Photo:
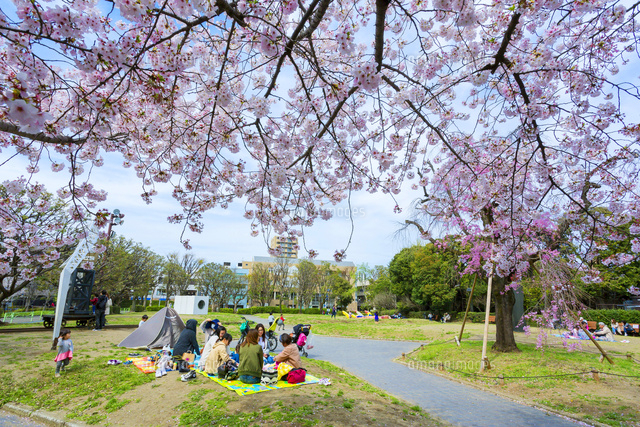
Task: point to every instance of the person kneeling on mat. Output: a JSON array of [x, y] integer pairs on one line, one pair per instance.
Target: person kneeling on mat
[[251, 359], [219, 355]]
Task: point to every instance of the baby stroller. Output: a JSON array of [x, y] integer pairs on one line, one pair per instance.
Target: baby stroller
[[300, 336]]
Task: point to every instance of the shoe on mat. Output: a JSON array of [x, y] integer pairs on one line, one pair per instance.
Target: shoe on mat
[[191, 375]]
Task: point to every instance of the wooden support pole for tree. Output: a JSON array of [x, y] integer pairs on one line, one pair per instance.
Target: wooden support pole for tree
[[485, 362], [604, 353], [466, 313]]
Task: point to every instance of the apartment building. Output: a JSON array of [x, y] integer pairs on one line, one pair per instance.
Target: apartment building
[[288, 246], [346, 267]]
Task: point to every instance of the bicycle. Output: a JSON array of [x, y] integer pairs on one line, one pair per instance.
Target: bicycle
[[272, 340], [244, 329]]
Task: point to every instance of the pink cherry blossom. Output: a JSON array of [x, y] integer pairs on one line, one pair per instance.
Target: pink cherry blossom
[[517, 119]]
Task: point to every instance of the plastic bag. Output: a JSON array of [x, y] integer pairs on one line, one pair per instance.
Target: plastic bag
[[309, 342]]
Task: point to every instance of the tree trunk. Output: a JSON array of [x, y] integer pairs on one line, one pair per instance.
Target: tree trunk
[[504, 301]]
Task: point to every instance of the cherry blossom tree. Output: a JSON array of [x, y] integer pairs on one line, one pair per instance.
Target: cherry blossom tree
[[509, 113], [36, 229]]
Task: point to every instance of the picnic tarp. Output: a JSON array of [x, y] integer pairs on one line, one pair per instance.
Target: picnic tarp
[[145, 365], [162, 329], [244, 389]]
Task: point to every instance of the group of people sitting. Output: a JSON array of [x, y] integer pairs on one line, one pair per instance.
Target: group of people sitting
[[625, 329], [603, 333], [252, 352], [444, 319]]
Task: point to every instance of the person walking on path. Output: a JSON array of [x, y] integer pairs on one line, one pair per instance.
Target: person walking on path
[[271, 319], [65, 351], [101, 306], [281, 322]]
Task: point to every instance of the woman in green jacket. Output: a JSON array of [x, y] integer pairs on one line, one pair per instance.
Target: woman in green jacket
[[251, 359]]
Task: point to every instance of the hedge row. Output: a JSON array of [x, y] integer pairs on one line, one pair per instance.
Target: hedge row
[[625, 316], [628, 316], [476, 317], [276, 310], [419, 314]]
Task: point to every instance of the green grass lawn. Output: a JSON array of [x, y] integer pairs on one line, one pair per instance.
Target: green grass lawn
[[611, 401], [95, 393], [544, 377]]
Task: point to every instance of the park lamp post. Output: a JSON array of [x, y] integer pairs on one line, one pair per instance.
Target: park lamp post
[[115, 219]]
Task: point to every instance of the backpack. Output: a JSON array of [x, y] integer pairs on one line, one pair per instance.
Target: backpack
[[183, 366], [231, 376], [269, 377], [102, 302], [296, 376], [227, 371]]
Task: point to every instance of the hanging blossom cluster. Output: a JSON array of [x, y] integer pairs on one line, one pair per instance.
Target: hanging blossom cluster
[[367, 77], [559, 305], [514, 117]]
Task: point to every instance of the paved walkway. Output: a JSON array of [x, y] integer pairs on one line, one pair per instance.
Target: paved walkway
[[22, 319], [450, 401], [7, 419]]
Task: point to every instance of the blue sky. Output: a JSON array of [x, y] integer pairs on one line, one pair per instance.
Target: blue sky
[[226, 236]]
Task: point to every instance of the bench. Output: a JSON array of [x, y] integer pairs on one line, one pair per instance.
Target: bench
[[492, 319], [636, 328]]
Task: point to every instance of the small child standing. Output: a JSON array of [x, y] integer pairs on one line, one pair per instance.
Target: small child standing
[[65, 350]]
